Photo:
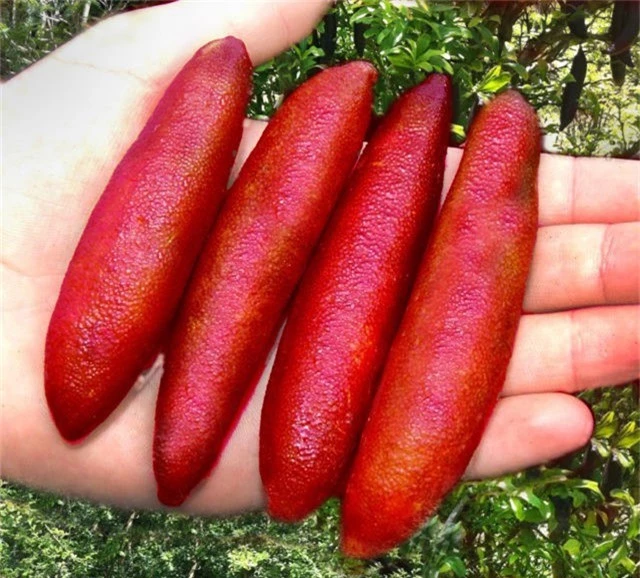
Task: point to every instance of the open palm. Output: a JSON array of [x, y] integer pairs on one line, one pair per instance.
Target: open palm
[[68, 121]]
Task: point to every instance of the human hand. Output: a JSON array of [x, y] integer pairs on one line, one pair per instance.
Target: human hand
[[68, 121]]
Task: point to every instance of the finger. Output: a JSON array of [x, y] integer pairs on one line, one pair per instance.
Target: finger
[[528, 430], [588, 190], [582, 265], [114, 464], [575, 350], [571, 190], [573, 265], [154, 42], [579, 190]]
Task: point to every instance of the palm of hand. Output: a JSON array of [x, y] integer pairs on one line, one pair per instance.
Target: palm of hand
[[87, 104]]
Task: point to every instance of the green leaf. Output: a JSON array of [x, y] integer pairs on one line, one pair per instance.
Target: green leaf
[[518, 69], [458, 130], [422, 46], [474, 22], [572, 547], [623, 496], [630, 439], [620, 553], [601, 448], [590, 485], [607, 425], [601, 549], [606, 431], [454, 564], [439, 7], [517, 508], [623, 458], [425, 66], [440, 63], [494, 80], [400, 61], [431, 52], [590, 525], [486, 35], [360, 15], [578, 498], [628, 564], [542, 507], [496, 84], [634, 524], [628, 428]]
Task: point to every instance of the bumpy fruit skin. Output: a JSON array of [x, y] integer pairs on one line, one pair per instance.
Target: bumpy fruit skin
[[246, 275], [134, 258], [350, 302], [448, 361]]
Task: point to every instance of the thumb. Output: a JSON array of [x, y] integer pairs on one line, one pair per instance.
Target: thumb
[[156, 41], [70, 117]]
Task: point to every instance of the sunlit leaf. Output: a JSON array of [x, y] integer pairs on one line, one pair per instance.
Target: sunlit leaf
[[572, 546]]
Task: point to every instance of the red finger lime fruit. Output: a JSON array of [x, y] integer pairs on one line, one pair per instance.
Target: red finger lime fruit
[[448, 361], [136, 253], [254, 258], [349, 304]]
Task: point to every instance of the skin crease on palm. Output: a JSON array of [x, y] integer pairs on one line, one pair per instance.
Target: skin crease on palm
[[70, 118]]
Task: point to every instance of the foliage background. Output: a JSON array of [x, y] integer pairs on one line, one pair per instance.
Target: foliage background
[[578, 516]]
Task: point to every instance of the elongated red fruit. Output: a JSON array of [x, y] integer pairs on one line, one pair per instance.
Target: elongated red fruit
[[350, 302], [448, 361], [252, 262], [134, 258]]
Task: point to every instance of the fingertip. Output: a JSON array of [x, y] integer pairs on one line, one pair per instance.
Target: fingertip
[[529, 430], [562, 420]]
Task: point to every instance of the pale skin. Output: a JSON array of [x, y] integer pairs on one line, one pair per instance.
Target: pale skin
[[70, 118]]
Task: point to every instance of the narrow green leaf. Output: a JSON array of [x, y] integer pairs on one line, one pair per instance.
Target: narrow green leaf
[[623, 496], [458, 130], [607, 425], [600, 550], [496, 84], [590, 485], [629, 565], [620, 553], [629, 440], [474, 22], [517, 508], [634, 524], [601, 448]]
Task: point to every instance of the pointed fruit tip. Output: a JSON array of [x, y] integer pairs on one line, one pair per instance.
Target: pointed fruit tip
[[170, 498]]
